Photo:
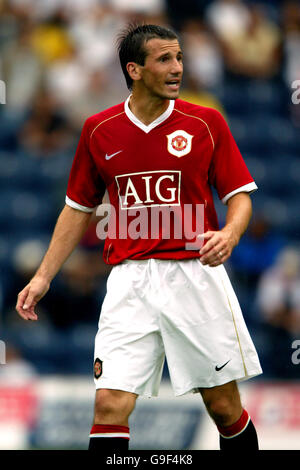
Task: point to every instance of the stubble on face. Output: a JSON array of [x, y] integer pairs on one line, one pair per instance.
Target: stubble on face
[[162, 71]]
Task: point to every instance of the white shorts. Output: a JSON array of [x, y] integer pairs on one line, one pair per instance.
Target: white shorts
[[179, 309]]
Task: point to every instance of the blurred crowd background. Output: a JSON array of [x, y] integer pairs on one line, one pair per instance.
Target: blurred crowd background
[[59, 64]]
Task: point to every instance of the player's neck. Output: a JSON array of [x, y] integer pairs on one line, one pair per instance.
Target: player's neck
[[147, 109]]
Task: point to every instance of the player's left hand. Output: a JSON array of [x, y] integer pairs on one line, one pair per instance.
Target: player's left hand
[[218, 247]]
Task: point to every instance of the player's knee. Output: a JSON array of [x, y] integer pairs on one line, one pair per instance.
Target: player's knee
[[223, 403], [113, 406], [222, 410]]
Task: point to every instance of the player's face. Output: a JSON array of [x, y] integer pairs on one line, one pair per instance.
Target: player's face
[[161, 74]]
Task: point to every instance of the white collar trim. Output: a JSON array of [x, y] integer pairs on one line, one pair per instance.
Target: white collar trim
[[154, 123]]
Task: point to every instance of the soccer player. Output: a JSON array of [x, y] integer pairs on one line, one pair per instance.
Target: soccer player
[[155, 153]]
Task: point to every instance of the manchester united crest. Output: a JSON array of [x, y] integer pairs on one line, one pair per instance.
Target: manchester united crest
[[179, 143], [97, 368]]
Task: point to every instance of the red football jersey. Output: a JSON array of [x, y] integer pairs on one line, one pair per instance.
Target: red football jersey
[[156, 176]]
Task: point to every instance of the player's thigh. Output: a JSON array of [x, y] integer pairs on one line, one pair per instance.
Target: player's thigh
[[129, 351], [206, 340]]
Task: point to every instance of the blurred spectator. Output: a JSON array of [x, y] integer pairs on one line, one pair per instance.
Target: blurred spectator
[[291, 29], [78, 291], [18, 399], [254, 52], [9, 24], [38, 11], [278, 301], [203, 59], [94, 35], [50, 39], [291, 48], [256, 252], [228, 18], [193, 92], [278, 293], [22, 70], [27, 257], [46, 129], [146, 7], [74, 9], [179, 11], [25, 261], [65, 79], [99, 93], [16, 369], [76, 294]]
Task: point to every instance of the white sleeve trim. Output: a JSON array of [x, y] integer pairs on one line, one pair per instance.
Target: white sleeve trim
[[77, 206], [247, 188]]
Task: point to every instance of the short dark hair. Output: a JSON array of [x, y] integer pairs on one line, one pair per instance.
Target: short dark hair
[[131, 44]]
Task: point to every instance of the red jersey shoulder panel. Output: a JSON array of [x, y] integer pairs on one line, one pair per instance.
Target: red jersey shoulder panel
[[211, 118]]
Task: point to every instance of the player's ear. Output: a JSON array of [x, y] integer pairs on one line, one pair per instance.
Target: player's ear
[[134, 70]]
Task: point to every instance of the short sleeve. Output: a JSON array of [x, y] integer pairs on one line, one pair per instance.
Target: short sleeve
[[85, 186], [228, 172]]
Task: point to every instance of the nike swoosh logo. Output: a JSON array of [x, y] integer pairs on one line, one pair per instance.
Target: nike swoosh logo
[[108, 157], [219, 368]]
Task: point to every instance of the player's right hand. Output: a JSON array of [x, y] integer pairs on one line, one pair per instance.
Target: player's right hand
[[29, 297]]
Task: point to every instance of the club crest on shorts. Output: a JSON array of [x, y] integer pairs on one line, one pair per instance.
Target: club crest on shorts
[[97, 368], [179, 143]]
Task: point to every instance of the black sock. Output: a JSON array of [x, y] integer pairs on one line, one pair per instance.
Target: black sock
[[240, 435], [108, 444], [109, 438], [247, 439]]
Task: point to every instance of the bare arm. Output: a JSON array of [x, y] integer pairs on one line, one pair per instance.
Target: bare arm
[[69, 229], [220, 244]]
